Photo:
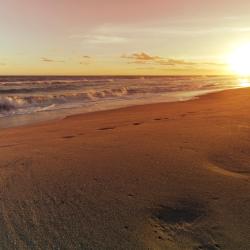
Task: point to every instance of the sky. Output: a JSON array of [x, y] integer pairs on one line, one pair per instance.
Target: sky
[[118, 37]]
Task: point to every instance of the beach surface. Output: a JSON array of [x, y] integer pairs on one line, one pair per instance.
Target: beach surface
[[158, 176]]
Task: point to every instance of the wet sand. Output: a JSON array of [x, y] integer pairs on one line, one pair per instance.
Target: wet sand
[[160, 176]]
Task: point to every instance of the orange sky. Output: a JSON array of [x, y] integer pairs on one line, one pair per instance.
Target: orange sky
[[88, 37]]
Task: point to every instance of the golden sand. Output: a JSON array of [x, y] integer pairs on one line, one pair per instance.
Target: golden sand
[[161, 176]]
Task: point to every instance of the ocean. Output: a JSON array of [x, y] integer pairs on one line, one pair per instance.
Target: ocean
[[27, 99]]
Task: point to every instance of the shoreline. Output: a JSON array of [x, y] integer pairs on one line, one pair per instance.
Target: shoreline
[[59, 114]]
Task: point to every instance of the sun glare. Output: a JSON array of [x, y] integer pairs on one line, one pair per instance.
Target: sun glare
[[244, 83], [239, 60]]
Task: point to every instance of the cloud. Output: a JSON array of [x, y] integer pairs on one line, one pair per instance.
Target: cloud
[[101, 38], [145, 58], [141, 57], [2, 64], [46, 59], [162, 30], [85, 60], [174, 62], [49, 60]]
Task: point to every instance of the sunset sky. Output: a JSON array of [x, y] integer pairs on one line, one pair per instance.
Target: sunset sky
[[88, 37]]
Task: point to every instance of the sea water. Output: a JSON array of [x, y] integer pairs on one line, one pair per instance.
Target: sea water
[[27, 99]]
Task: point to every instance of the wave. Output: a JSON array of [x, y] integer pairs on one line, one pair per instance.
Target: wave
[[21, 95], [6, 106], [10, 104], [20, 102], [24, 90]]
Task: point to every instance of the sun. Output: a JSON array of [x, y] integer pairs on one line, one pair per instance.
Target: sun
[[239, 60]]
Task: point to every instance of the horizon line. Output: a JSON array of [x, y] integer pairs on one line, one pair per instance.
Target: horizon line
[[155, 75]]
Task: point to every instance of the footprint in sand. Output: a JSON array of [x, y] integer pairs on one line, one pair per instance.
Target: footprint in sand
[[137, 123], [68, 137], [160, 119], [106, 128], [131, 195]]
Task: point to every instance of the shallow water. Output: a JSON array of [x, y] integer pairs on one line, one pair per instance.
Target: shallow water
[[28, 99]]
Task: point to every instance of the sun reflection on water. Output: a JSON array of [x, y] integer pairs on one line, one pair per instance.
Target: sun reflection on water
[[244, 83]]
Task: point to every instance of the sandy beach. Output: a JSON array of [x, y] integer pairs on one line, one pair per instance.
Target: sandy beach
[[158, 176]]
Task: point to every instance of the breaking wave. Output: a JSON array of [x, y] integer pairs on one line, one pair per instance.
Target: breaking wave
[[21, 95]]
